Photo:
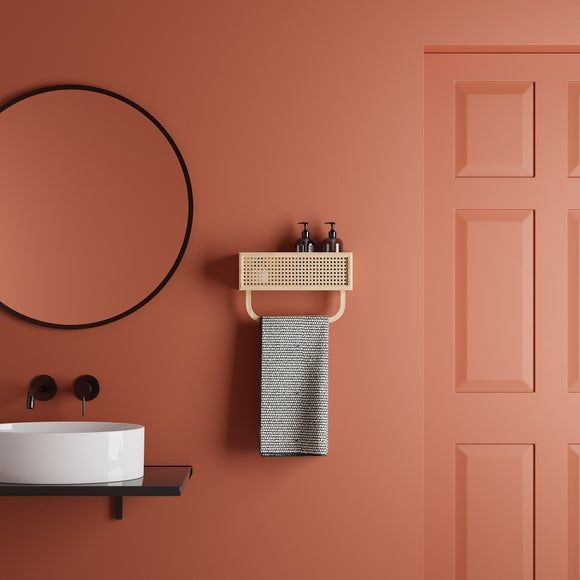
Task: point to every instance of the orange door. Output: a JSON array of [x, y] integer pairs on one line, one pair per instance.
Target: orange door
[[502, 399]]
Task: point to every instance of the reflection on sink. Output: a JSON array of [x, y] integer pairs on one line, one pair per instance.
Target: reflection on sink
[[61, 452]]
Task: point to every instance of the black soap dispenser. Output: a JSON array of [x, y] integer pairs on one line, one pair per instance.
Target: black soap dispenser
[[332, 243], [305, 243]]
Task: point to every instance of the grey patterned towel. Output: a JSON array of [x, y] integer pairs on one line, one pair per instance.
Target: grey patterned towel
[[294, 400]]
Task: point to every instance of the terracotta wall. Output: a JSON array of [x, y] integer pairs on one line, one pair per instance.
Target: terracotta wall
[[284, 110]]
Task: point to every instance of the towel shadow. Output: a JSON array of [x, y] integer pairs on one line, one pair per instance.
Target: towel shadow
[[242, 428], [244, 411]]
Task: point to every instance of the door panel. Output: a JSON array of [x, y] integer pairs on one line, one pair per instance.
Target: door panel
[[485, 110], [573, 129], [502, 316], [494, 512], [574, 512], [494, 301], [573, 301]]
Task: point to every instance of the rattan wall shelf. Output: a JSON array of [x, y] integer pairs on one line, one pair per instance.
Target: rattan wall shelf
[[260, 271]]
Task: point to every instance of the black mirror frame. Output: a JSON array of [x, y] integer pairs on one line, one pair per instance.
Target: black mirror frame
[[189, 190]]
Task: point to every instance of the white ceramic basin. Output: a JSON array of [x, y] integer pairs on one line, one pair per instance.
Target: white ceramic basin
[[62, 452]]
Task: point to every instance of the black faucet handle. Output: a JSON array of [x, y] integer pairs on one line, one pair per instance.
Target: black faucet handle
[[41, 388], [86, 388]]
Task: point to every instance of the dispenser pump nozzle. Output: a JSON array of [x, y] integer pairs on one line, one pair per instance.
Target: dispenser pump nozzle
[[332, 243], [305, 243], [332, 232]]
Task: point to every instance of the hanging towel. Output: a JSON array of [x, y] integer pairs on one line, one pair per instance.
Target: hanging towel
[[294, 380]]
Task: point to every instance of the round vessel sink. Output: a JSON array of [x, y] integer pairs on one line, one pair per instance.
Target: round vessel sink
[[70, 452]]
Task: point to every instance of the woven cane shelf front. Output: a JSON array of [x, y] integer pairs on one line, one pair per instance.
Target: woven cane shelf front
[[295, 271]]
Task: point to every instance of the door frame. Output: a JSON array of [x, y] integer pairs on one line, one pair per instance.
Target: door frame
[[463, 49]]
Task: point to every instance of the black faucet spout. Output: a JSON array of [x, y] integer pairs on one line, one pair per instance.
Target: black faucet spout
[[30, 400]]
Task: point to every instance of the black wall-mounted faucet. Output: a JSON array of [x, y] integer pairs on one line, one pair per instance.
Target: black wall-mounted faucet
[[41, 388], [86, 388]]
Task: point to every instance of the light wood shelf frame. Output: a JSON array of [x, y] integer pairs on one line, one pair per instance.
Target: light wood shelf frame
[[276, 271]]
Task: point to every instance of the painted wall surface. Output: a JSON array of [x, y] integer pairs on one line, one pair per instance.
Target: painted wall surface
[[284, 111]]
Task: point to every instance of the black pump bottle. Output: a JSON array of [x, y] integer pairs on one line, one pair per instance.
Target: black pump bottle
[[305, 243], [332, 243]]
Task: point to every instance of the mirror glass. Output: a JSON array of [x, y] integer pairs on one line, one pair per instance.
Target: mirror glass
[[95, 206]]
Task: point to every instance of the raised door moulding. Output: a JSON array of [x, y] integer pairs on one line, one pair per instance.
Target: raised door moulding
[[494, 511], [494, 129], [494, 301]]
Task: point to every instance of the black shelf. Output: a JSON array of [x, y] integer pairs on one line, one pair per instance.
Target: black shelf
[[157, 480]]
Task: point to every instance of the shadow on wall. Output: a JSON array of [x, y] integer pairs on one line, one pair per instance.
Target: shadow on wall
[[243, 424], [224, 271], [288, 242], [12, 392], [244, 406]]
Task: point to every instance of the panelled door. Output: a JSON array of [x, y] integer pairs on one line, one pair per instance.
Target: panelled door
[[502, 311]]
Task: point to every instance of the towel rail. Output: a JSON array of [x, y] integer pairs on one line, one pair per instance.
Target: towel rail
[[341, 307], [296, 271]]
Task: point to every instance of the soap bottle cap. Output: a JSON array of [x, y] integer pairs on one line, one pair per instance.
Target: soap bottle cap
[[305, 231], [332, 232]]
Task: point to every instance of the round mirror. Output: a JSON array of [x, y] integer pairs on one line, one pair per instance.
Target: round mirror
[[95, 206]]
